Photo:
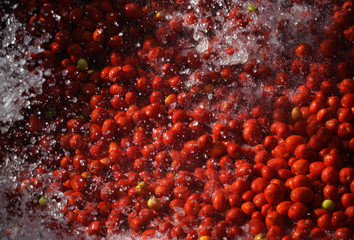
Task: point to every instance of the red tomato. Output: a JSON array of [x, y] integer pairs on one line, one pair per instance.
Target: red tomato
[[274, 193], [301, 194], [297, 211]]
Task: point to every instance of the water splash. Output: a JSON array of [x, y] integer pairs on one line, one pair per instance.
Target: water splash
[[18, 84]]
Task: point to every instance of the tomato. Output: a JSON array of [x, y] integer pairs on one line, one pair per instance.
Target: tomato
[[258, 185], [346, 130], [317, 233], [207, 211], [248, 208], [277, 163], [78, 183], [293, 141], [297, 211], [339, 219], [301, 181], [328, 47], [343, 233], [77, 199], [283, 207], [274, 193], [330, 192], [299, 234], [305, 224], [235, 216], [300, 166], [132, 10], [316, 168], [245, 170], [256, 227], [235, 200], [252, 134], [191, 208], [333, 160], [347, 86], [96, 228], [347, 199], [324, 222], [301, 194], [274, 218], [346, 175], [268, 172], [329, 175], [347, 100], [219, 201]]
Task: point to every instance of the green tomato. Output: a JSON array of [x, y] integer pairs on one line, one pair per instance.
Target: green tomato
[[42, 201], [82, 64], [260, 236], [154, 203], [329, 205], [141, 189], [252, 8]]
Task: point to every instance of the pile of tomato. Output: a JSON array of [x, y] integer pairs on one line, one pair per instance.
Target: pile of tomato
[[137, 136]]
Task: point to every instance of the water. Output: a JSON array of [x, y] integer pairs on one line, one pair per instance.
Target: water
[[18, 84]]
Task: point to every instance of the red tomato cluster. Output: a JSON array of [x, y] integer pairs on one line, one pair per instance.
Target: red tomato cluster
[[138, 136]]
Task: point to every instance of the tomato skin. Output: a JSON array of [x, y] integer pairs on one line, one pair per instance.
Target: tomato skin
[[347, 199], [316, 169], [235, 216], [305, 224], [346, 175], [277, 163], [347, 100], [346, 130], [78, 183], [96, 228], [275, 232], [324, 222], [191, 208], [293, 141], [317, 233], [252, 134], [274, 218], [297, 211], [258, 185], [349, 211], [347, 86], [343, 233], [301, 194], [301, 181], [330, 192], [259, 200], [283, 207], [300, 166], [274, 193], [339, 219], [304, 151], [219, 201], [344, 115], [256, 227], [329, 175], [248, 208], [333, 160]]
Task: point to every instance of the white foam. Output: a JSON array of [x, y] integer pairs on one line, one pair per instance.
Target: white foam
[[16, 80]]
